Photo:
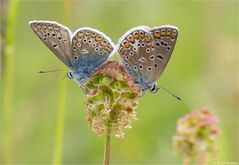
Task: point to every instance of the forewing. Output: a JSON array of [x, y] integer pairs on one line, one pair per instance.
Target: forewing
[[165, 38], [56, 37], [90, 49], [136, 50]]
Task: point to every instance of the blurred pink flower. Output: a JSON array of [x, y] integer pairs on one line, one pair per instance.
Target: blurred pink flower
[[196, 135]]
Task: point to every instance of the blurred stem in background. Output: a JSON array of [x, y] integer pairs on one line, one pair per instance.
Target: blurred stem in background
[[8, 82], [62, 100]]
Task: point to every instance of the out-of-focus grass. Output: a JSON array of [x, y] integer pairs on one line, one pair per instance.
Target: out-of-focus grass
[[202, 71], [60, 124], [8, 84], [62, 101]]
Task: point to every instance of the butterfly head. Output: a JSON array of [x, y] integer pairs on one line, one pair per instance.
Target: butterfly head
[[154, 88], [77, 76], [147, 86]]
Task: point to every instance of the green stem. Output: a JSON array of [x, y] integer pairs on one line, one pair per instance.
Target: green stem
[[60, 124], [57, 157], [107, 149], [8, 82]]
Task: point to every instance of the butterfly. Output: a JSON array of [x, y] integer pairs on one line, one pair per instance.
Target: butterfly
[[83, 51], [145, 52]]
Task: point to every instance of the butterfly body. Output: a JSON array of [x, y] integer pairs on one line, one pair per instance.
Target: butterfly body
[[145, 53], [83, 51]]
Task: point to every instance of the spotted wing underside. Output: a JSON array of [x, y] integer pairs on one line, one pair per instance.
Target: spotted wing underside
[[146, 52], [90, 49], [56, 37]]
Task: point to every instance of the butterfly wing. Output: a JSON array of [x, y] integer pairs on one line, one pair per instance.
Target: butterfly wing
[[136, 48], [90, 49], [56, 37], [165, 38]]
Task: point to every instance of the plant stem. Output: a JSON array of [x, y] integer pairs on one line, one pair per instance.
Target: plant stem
[[60, 124], [57, 157], [8, 83], [107, 149]]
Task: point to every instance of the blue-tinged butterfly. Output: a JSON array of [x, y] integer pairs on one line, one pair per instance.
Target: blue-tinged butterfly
[[145, 53], [83, 51]]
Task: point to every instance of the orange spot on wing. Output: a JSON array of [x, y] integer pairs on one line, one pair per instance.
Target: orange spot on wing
[[169, 32], [125, 44], [103, 43], [147, 39], [121, 51], [152, 45], [163, 32], [98, 38], [136, 35], [141, 34], [108, 48], [157, 34], [132, 40]]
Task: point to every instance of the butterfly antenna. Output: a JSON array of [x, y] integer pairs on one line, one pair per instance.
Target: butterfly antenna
[[171, 93], [48, 71]]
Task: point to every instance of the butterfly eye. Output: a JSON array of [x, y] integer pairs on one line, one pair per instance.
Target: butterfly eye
[[154, 88], [69, 75]]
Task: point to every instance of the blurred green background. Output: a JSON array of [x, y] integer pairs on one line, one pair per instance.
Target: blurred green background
[[203, 71]]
